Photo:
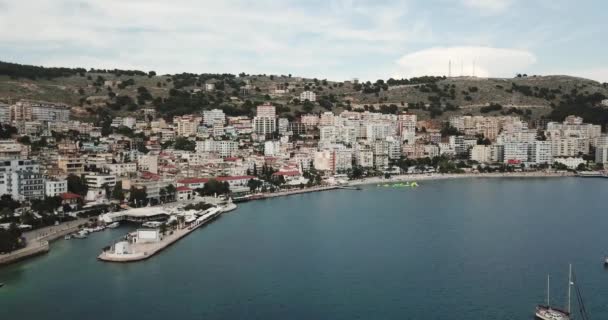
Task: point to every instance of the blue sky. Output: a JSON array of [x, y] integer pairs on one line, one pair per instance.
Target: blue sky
[[335, 39]]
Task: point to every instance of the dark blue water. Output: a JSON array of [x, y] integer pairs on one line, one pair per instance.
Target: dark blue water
[[462, 249]]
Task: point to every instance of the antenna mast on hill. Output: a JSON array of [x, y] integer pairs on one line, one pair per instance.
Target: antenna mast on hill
[[461, 68], [450, 69], [473, 67]]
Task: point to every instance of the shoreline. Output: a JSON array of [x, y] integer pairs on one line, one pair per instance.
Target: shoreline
[[38, 241], [449, 176]]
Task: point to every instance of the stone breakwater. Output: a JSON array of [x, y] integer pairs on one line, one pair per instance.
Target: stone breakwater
[[38, 242]]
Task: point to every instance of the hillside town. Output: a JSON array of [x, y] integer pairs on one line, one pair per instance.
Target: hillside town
[[51, 163]]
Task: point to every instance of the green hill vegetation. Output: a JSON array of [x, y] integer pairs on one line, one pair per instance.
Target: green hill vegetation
[[98, 94]]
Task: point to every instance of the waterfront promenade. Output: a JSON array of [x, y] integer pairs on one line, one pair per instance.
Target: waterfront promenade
[[37, 241], [440, 176]]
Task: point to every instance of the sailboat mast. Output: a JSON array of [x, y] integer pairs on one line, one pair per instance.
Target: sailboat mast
[[569, 285], [548, 280]]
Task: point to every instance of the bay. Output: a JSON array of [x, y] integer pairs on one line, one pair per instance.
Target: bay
[[458, 249]]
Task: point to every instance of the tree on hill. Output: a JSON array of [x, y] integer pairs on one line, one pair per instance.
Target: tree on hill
[[138, 196], [182, 143], [117, 192], [77, 185], [214, 186], [7, 131]]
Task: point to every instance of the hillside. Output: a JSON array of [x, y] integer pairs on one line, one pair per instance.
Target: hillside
[[96, 94]]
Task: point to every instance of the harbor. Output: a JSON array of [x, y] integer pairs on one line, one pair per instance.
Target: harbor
[[144, 243]]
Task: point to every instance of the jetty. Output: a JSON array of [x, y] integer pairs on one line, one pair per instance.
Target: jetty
[[38, 241], [145, 243]]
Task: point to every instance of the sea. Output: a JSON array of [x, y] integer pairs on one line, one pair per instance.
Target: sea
[[462, 249]]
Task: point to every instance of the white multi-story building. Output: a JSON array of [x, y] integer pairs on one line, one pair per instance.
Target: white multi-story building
[[569, 146], [5, 113], [497, 153], [10, 149], [570, 162], [327, 134], [71, 164], [347, 135], [218, 129], [21, 179], [515, 152], [148, 163], [272, 148], [283, 126], [327, 119], [98, 181], [210, 117], [364, 158], [601, 154], [55, 188], [223, 148], [264, 125], [378, 131], [342, 160], [22, 185], [308, 95], [322, 160], [540, 152], [266, 110], [187, 125], [128, 122], [42, 111], [121, 169], [309, 120], [480, 153]]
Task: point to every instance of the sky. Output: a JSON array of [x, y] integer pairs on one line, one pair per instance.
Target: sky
[[332, 39]]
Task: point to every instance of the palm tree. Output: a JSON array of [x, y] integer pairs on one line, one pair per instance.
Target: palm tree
[[181, 220], [163, 194], [171, 191]]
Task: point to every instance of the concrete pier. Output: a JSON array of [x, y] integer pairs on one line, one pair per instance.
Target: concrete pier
[[143, 251]]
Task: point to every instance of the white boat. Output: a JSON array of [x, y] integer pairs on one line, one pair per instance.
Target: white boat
[[152, 224], [67, 237], [546, 312], [606, 261], [113, 225], [81, 234]]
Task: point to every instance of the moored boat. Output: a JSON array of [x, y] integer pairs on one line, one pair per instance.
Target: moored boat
[[547, 312], [113, 225], [590, 174], [81, 234]]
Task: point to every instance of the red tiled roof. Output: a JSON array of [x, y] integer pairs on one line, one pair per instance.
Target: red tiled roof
[[69, 195], [183, 189], [231, 159], [149, 176]]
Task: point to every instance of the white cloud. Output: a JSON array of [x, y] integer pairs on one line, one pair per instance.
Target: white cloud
[[488, 6], [204, 36], [487, 62]]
